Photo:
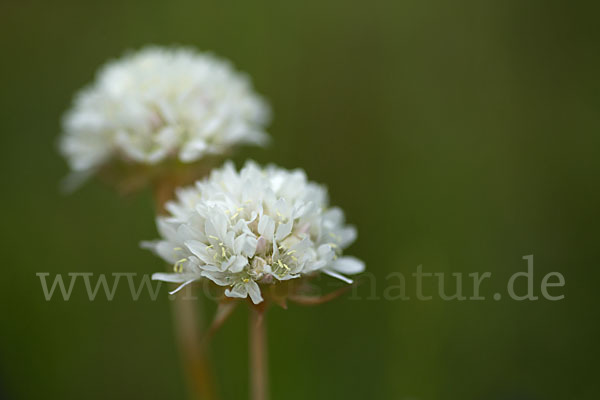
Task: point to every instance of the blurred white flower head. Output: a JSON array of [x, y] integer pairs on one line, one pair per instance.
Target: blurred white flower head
[[256, 226], [159, 103]]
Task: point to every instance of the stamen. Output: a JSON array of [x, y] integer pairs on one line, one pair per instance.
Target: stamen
[[282, 265], [178, 267]]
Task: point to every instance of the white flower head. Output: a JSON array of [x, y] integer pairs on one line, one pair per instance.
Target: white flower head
[[161, 103], [255, 226]]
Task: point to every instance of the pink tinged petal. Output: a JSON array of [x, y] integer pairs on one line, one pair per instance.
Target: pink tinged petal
[[261, 245], [304, 228], [348, 265]]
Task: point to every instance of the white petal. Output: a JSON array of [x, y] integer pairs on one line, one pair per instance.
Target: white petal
[[284, 229], [193, 150], [286, 277], [347, 236], [229, 240], [216, 224], [239, 264], [181, 286], [149, 244], [166, 229], [326, 253], [348, 265], [216, 277], [172, 278], [338, 276], [254, 292], [250, 245], [199, 249], [266, 227], [239, 290]]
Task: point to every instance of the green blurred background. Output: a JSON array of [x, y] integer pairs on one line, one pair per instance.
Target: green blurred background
[[460, 135]]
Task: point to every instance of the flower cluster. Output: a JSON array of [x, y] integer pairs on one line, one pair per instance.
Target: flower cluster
[[160, 103], [255, 226]]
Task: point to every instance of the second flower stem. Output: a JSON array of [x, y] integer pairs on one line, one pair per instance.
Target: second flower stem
[[188, 320]]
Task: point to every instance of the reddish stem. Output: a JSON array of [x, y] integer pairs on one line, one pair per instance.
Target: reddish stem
[[257, 335]]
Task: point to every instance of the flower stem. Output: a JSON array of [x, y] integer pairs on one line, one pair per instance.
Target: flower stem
[[187, 320], [259, 376], [187, 326]]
